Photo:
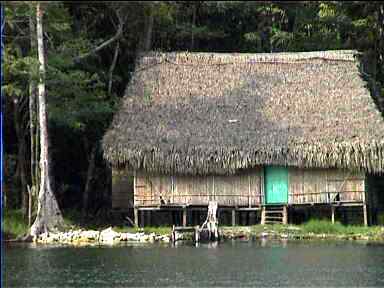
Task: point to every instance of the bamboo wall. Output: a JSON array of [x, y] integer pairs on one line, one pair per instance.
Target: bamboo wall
[[325, 185], [306, 186], [243, 189]]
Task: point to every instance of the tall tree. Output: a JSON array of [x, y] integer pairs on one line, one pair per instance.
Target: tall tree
[[48, 213], [32, 190]]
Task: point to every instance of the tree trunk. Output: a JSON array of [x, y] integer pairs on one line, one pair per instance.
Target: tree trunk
[[91, 168], [193, 24], [211, 222], [112, 68], [145, 38], [381, 42], [148, 33], [48, 213], [32, 128]]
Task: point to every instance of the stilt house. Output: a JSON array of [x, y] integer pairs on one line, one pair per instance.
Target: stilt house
[[250, 131]]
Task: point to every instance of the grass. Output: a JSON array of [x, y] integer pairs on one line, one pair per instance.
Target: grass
[[313, 226], [13, 224], [326, 227]]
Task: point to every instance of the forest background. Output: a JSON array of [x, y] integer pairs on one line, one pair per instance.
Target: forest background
[[90, 52]]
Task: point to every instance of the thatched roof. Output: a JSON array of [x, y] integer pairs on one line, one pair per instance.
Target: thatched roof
[[201, 113]]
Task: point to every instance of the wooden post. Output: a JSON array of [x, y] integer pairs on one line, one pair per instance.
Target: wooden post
[[261, 199], [184, 216], [365, 214], [233, 217], [263, 215], [136, 216], [134, 189], [249, 191], [285, 215], [333, 214]]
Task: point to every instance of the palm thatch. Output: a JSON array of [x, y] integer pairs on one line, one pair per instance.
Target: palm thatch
[[201, 113]]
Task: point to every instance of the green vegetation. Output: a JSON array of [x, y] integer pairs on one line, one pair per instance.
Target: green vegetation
[[91, 51], [311, 228], [326, 227], [13, 224]]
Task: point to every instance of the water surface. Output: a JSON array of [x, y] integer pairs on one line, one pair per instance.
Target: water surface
[[234, 263]]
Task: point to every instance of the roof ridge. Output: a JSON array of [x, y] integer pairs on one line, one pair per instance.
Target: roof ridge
[[191, 58]]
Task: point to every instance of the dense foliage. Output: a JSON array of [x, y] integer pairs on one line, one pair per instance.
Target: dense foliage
[[91, 50]]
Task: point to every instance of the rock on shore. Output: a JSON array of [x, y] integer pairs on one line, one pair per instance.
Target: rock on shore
[[107, 236]]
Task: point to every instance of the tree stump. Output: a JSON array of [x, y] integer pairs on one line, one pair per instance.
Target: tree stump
[[211, 222]]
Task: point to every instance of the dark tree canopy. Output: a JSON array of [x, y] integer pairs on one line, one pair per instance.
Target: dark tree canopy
[[91, 51]]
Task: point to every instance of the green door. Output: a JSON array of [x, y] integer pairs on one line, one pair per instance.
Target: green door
[[276, 185]]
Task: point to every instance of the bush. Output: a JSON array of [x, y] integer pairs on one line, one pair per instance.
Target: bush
[[13, 223]]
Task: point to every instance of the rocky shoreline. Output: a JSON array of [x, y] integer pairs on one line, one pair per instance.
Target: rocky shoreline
[[110, 237], [107, 236]]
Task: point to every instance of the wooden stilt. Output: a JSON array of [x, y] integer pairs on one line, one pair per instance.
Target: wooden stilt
[[333, 214], [233, 217], [136, 216], [263, 215], [365, 214], [285, 215], [184, 217]]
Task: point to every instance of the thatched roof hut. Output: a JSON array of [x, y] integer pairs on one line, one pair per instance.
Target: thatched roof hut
[[202, 113]]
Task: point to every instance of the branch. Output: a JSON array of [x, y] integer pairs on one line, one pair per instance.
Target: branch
[[118, 34], [112, 68]]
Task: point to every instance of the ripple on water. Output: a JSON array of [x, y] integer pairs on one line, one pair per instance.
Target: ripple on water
[[270, 263]]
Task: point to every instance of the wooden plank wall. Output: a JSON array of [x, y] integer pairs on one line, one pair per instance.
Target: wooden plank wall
[[243, 189], [122, 189], [323, 185]]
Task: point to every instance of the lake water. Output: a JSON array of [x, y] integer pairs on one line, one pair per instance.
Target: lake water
[[236, 263]]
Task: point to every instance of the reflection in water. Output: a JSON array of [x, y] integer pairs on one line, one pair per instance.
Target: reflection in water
[[232, 263], [213, 244]]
